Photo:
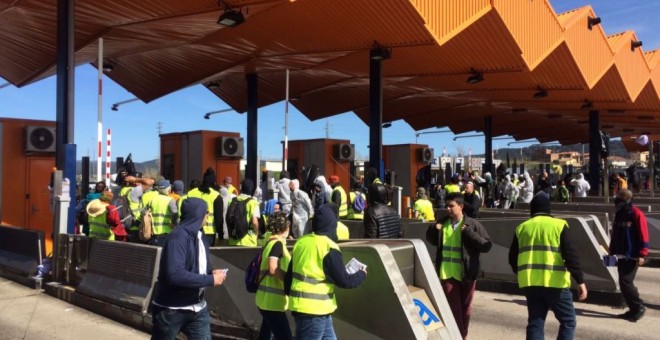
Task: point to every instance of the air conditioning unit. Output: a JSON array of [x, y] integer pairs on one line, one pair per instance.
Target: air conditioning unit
[[426, 155], [345, 152], [229, 147], [39, 139]]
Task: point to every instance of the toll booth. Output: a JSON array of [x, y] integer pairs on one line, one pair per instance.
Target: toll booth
[[27, 158], [405, 160], [186, 155], [332, 156]]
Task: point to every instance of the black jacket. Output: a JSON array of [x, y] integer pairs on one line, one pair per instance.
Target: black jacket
[[472, 205], [475, 241], [380, 220]]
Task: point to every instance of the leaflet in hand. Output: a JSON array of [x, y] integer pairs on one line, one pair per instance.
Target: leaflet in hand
[[353, 266]]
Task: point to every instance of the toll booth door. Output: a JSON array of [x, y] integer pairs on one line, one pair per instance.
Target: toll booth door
[[37, 198]]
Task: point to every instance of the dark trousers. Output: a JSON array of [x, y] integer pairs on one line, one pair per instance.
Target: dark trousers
[[627, 269], [314, 327], [167, 323], [275, 325], [539, 301], [459, 296]]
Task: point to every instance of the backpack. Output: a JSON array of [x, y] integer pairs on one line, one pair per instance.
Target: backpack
[[358, 203], [237, 223], [147, 226], [252, 279], [121, 205]]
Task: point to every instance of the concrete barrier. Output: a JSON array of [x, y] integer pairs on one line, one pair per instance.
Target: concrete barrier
[[21, 251], [586, 207], [121, 274], [381, 308]]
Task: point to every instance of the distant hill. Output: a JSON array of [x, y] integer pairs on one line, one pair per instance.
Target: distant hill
[[144, 167], [616, 149]]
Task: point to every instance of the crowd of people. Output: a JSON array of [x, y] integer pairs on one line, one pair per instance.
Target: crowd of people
[[302, 281]]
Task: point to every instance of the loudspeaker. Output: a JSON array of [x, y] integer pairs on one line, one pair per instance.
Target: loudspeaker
[[426, 155], [345, 152], [39, 139], [229, 147]]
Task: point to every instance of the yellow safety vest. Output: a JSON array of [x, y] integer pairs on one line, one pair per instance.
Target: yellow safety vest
[[540, 262], [352, 214], [425, 209], [209, 228], [343, 206], [134, 207], [452, 252], [310, 292], [270, 295], [342, 232], [250, 239], [99, 228], [161, 215], [451, 188]]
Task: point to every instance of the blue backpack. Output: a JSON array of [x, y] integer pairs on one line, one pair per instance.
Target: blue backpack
[[359, 203], [252, 279]]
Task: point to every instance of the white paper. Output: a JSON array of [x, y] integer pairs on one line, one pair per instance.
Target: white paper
[[353, 266]]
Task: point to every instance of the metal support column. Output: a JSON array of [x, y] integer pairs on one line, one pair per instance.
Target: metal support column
[[376, 57], [488, 140], [65, 150], [252, 125], [595, 148], [651, 169]]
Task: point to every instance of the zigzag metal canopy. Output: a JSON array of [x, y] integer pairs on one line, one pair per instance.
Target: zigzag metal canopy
[[158, 47]]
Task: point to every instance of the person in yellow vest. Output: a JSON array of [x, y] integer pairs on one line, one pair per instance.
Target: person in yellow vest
[[103, 219], [164, 213], [453, 185], [339, 196], [270, 298], [214, 201], [133, 189], [423, 208], [542, 256], [353, 213], [227, 183], [253, 214], [316, 267], [460, 241]]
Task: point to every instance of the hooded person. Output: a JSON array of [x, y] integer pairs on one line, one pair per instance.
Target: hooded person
[[581, 186], [527, 188], [177, 190], [316, 267], [321, 192], [205, 191], [301, 209], [380, 220], [226, 198], [185, 272], [490, 190], [544, 260], [253, 213], [284, 192]]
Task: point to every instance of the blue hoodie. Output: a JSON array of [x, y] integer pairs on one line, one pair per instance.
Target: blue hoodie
[[179, 281]]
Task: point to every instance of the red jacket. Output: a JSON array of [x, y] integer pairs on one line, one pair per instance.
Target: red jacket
[[630, 234]]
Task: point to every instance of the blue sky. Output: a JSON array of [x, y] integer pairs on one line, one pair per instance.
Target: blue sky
[[135, 125]]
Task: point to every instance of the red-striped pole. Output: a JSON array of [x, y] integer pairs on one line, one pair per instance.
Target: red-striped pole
[[107, 160], [99, 127]]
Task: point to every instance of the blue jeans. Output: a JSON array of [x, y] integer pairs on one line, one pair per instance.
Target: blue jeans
[[314, 327], [275, 325], [539, 301], [168, 322]]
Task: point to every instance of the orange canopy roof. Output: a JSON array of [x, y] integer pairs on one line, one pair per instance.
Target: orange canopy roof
[[521, 47]]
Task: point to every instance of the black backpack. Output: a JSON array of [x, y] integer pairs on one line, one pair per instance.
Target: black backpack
[[237, 223]]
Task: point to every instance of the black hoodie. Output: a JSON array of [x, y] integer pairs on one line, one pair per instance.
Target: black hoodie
[[325, 223]]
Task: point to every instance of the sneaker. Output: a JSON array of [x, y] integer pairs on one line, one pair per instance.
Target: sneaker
[[638, 315]]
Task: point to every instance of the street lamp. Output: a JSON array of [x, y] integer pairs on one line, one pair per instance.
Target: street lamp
[[115, 106], [208, 114], [429, 132]]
